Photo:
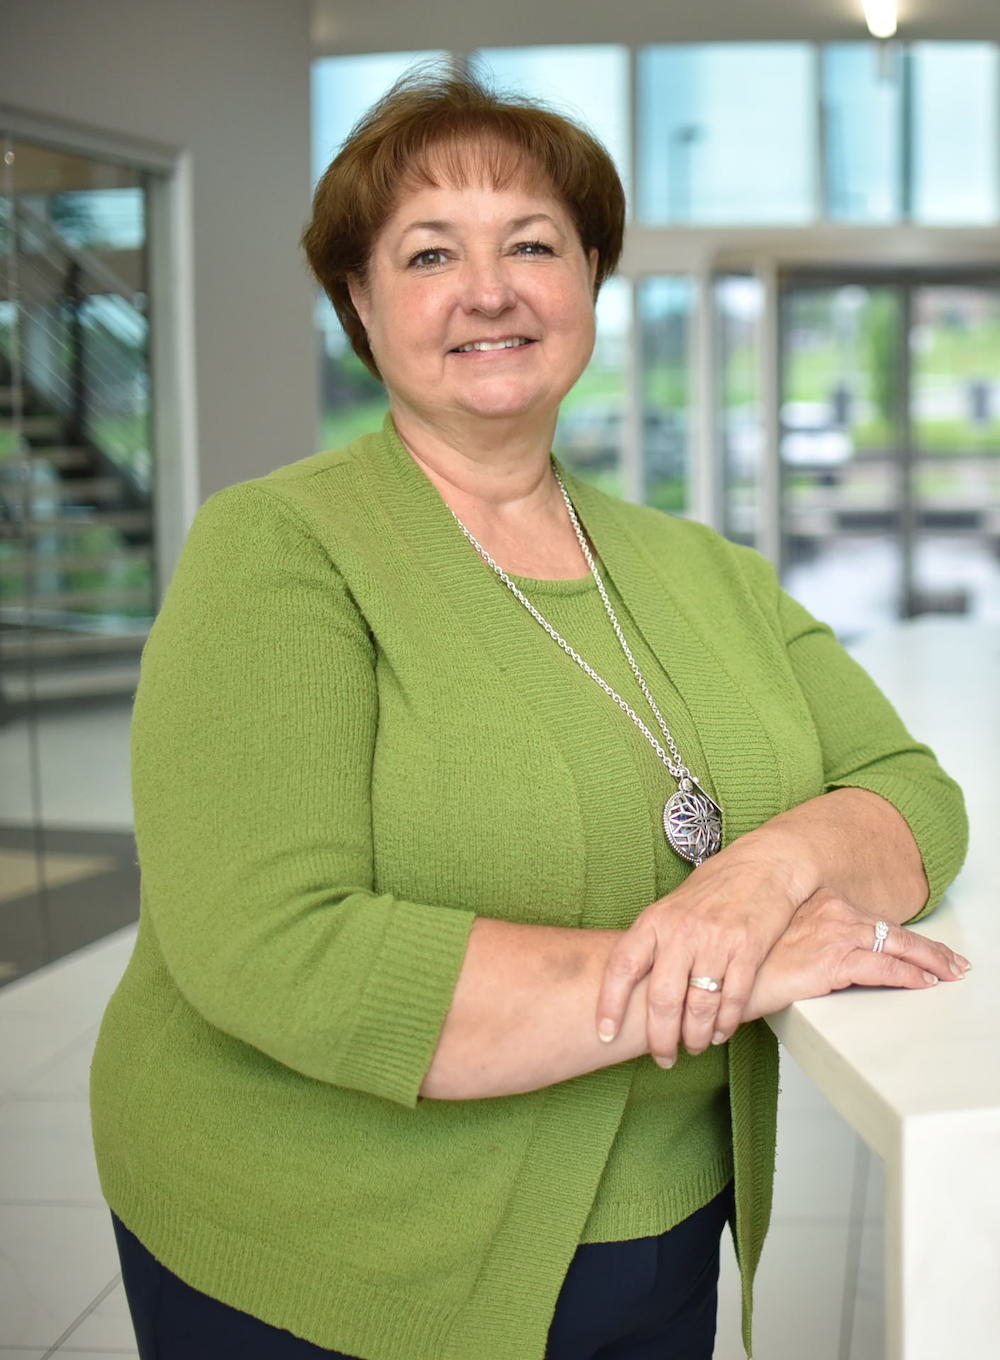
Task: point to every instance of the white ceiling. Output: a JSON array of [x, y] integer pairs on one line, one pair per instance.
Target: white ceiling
[[460, 25]]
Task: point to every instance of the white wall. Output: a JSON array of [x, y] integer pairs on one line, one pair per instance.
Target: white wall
[[226, 81]]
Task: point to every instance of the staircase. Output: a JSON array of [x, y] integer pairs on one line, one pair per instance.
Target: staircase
[[77, 568]]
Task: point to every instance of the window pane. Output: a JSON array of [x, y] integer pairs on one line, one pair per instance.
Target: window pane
[[739, 306], [862, 107], [841, 449], [727, 133], [343, 88], [954, 134], [955, 413], [592, 419], [666, 306], [588, 84]]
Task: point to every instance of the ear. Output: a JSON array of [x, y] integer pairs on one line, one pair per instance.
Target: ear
[[360, 298]]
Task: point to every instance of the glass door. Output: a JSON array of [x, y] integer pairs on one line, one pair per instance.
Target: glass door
[[889, 446], [77, 573], [955, 435]]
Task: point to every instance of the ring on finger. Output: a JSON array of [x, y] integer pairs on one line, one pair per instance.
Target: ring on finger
[[881, 935], [705, 984]]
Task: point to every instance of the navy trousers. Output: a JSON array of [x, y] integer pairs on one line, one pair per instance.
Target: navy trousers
[[650, 1299]]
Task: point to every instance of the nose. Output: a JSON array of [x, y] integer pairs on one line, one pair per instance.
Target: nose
[[486, 288]]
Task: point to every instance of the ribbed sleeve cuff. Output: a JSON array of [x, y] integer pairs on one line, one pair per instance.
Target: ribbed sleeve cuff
[[933, 809], [404, 1002]]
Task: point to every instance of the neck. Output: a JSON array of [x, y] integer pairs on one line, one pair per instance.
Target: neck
[[494, 464], [502, 488]]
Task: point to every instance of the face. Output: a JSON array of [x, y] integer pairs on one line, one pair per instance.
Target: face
[[478, 303]]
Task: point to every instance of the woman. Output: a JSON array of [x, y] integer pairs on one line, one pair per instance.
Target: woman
[[441, 1038]]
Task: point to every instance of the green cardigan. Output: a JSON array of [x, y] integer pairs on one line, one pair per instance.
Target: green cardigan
[[348, 742]]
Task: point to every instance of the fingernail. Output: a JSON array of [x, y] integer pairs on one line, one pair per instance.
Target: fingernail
[[929, 977], [718, 1037], [966, 966], [606, 1031], [956, 968], [665, 1063]]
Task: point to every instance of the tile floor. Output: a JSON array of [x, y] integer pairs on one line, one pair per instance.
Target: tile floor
[[60, 1291], [819, 1289]]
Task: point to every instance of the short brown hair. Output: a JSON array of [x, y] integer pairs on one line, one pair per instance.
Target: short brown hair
[[429, 118]]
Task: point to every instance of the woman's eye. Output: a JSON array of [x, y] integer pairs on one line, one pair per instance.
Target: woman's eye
[[428, 259], [533, 248]]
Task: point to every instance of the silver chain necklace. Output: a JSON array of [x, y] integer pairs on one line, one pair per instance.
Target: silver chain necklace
[[692, 822]]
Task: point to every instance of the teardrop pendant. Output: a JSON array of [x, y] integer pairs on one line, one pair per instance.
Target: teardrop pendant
[[692, 823]]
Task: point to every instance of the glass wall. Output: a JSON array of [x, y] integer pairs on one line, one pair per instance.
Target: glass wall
[[955, 147], [77, 574], [748, 133], [862, 113], [726, 133]]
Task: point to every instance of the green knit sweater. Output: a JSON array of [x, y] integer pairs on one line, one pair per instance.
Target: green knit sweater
[[350, 740]]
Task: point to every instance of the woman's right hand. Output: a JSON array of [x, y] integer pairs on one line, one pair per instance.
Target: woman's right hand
[[827, 946]]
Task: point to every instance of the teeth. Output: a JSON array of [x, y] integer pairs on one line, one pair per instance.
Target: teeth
[[492, 344]]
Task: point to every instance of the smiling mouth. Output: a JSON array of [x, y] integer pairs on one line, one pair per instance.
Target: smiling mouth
[[481, 346]]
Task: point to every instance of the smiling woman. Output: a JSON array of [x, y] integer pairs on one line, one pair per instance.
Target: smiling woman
[[481, 817]]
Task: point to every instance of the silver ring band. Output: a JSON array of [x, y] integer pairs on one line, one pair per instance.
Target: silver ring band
[[705, 984], [881, 935]]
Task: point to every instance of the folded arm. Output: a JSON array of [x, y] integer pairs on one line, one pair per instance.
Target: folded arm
[[253, 821], [887, 836]]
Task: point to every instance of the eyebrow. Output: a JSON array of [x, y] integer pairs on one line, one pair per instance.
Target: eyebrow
[[518, 224]]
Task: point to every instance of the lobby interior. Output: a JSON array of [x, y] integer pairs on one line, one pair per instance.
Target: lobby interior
[[802, 348]]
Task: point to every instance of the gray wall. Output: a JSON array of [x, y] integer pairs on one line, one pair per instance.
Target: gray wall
[[406, 25], [227, 83]]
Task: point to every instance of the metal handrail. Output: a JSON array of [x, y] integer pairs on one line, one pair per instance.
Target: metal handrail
[[38, 322], [89, 262]]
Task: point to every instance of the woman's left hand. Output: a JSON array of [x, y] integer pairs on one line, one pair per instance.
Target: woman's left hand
[[721, 923], [828, 946]]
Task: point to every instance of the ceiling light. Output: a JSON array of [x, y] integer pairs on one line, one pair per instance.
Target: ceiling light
[[880, 16]]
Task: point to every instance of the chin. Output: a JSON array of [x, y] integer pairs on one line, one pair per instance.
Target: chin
[[511, 405], [527, 416]]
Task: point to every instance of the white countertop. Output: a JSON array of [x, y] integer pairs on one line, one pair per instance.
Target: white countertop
[[917, 1074]]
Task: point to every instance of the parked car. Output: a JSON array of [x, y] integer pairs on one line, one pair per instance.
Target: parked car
[[812, 442]]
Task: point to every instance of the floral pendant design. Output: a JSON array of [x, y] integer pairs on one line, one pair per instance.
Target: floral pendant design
[[692, 823]]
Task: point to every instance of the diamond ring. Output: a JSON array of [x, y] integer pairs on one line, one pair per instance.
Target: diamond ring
[[881, 935], [706, 984]]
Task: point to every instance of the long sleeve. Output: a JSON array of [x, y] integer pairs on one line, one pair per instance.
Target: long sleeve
[[866, 745], [253, 738]]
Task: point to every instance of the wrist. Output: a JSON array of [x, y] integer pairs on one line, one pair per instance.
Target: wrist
[[790, 862]]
